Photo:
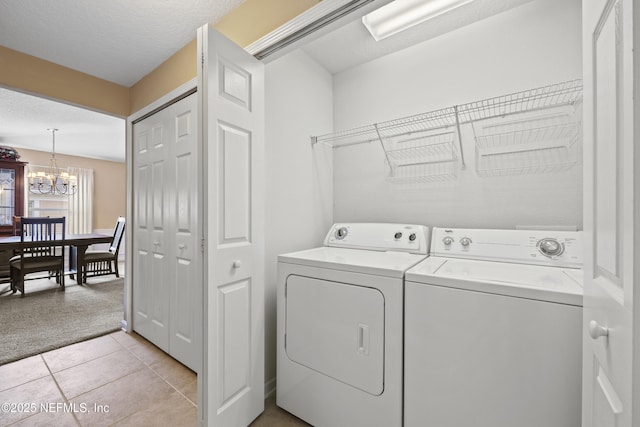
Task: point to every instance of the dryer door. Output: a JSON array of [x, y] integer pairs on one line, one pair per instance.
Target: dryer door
[[337, 329]]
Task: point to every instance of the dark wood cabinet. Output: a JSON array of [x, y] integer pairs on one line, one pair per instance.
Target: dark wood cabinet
[[11, 204], [11, 194]]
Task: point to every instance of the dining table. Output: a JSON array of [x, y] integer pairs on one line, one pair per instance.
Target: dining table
[[78, 242]]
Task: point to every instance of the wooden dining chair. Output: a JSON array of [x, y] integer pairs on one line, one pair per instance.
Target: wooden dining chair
[[100, 263], [16, 225], [38, 253]]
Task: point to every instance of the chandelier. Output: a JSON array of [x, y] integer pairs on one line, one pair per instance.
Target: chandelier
[[52, 181]]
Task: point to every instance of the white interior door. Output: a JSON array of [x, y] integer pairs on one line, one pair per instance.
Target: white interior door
[[611, 259], [185, 296], [167, 287], [231, 86], [150, 163]]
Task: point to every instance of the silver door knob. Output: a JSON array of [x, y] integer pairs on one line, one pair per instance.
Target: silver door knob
[[596, 330], [237, 264]]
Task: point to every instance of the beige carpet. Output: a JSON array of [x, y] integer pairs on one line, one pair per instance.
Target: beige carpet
[[48, 318]]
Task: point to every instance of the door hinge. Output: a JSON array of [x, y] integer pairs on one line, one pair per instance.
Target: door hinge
[[202, 59], [202, 245]]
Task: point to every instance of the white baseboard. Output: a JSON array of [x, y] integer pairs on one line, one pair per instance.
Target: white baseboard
[[269, 388]]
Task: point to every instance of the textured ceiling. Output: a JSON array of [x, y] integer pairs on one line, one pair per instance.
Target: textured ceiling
[[117, 40], [24, 120]]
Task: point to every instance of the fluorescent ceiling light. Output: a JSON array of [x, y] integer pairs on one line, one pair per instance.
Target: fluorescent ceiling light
[[402, 14]]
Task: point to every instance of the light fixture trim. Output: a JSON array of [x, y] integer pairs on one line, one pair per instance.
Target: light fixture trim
[[400, 15]]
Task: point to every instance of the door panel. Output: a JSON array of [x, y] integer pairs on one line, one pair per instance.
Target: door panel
[[234, 314], [186, 303], [235, 83], [235, 182], [167, 275], [142, 236], [610, 256], [184, 197], [233, 131], [150, 310], [607, 153]]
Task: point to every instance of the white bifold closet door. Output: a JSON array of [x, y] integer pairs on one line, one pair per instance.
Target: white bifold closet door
[[231, 87], [167, 285]]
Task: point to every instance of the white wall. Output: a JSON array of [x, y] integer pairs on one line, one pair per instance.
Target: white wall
[[299, 195], [534, 45]]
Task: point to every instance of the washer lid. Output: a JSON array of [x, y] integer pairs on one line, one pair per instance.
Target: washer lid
[[388, 264], [553, 284]]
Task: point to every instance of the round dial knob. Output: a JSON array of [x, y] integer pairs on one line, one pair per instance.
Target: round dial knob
[[412, 237], [341, 233], [465, 241], [447, 240], [550, 247], [398, 235]]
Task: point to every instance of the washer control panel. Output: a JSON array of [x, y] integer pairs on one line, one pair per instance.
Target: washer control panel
[[380, 237], [550, 247], [341, 233], [559, 248]]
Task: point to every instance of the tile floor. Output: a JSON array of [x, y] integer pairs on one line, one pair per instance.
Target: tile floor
[[115, 380]]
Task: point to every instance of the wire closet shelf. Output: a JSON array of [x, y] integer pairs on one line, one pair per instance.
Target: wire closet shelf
[[531, 132], [555, 95], [419, 148], [523, 132]]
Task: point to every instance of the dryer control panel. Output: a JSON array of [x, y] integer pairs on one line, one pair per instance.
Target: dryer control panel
[[379, 237], [557, 248]]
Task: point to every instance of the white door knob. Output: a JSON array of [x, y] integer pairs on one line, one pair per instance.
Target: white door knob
[[181, 246], [596, 330], [237, 263]]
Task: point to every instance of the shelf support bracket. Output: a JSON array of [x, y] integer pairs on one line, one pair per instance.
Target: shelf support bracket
[[386, 155], [464, 166]]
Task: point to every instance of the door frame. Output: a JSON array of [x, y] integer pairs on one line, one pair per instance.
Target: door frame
[[176, 94]]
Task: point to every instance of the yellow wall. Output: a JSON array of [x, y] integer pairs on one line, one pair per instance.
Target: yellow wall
[[39, 77], [109, 183], [172, 73], [254, 19]]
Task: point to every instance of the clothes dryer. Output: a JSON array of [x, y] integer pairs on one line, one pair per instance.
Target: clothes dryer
[[340, 315], [493, 330]]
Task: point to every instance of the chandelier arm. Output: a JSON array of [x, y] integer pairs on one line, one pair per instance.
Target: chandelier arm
[[53, 181]]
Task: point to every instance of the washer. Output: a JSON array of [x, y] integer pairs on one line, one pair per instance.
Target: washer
[[340, 314], [493, 322]]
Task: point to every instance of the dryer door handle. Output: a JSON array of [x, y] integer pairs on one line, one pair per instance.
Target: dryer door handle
[[363, 339]]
